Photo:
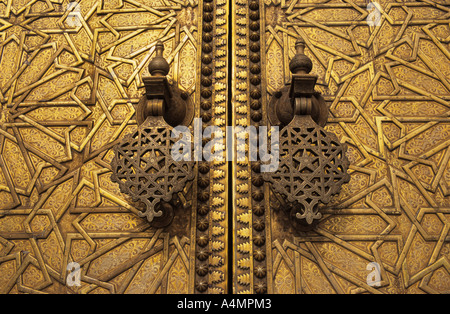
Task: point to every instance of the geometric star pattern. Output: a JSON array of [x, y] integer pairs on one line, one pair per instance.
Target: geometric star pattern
[[143, 166], [312, 167], [68, 93], [388, 92]]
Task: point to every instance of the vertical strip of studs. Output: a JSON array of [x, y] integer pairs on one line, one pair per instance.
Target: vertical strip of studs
[[242, 247], [211, 221], [257, 182], [203, 179], [218, 187], [249, 224]]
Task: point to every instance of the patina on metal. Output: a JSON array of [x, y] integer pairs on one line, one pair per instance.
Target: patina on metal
[[143, 165], [313, 165]]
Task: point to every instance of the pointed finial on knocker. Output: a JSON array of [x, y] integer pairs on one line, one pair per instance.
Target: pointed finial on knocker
[[159, 66], [300, 63]]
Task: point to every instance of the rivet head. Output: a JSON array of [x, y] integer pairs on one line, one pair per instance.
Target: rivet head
[[201, 286]]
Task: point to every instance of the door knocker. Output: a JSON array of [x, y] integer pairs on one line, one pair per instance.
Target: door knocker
[[143, 165], [313, 163]]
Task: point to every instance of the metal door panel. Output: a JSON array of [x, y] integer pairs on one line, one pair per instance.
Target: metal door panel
[[388, 100], [72, 76]]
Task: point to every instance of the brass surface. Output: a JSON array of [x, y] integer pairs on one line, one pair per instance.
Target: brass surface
[[68, 94], [69, 86], [387, 90]]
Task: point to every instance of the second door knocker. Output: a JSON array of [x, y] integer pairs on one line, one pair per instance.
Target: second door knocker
[[313, 165]]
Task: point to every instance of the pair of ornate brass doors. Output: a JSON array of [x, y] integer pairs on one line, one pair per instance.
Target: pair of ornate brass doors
[[72, 74]]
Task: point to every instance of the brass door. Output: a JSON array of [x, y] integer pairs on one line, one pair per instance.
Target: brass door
[[71, 77]]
